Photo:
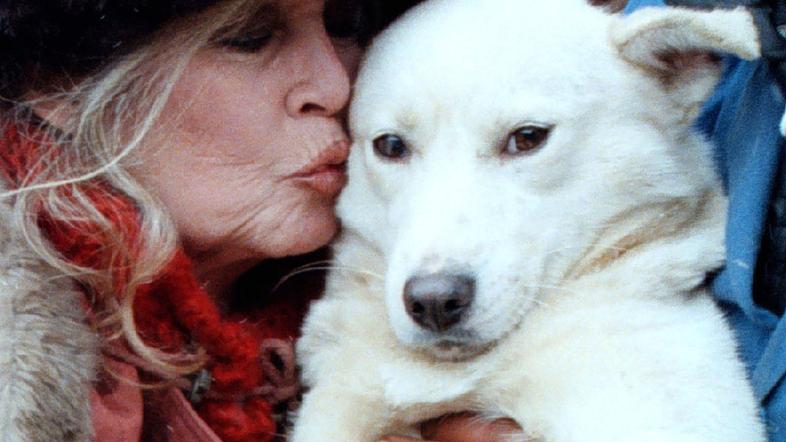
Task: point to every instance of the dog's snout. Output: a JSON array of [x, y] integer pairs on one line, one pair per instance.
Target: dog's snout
[[438, 301]]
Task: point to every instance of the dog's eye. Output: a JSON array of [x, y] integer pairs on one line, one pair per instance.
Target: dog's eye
[[391, 147], [526, 139]]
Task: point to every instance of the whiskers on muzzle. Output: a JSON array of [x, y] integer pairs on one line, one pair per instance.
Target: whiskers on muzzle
[[326, 266]]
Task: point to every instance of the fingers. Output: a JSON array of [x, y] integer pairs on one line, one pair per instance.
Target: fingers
[[469, 428], [463, 427]]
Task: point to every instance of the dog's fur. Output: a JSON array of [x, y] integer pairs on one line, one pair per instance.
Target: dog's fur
[[591, 321]]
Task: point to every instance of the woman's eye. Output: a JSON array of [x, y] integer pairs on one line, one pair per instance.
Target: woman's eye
[[526, 139], [248, 43], [391, 147]]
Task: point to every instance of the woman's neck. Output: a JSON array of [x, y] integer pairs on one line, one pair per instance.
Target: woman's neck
[[218, 277]]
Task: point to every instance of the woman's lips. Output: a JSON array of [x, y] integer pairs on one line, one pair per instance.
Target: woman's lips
[[327, 172], [328, 180]]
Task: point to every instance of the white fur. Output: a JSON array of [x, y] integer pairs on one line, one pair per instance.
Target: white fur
[[590, 321], [47, 351]]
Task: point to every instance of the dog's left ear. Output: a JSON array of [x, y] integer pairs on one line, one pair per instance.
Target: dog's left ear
[[681, 47]]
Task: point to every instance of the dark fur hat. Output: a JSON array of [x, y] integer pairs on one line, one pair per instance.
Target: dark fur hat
[[44, 38], [75, 36]]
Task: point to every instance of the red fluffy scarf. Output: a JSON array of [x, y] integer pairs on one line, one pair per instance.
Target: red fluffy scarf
[[174, 311]]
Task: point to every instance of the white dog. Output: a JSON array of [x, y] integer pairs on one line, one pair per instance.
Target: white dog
[[528, 226]]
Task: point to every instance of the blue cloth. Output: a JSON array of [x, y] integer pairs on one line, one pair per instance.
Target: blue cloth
[[741, 119]]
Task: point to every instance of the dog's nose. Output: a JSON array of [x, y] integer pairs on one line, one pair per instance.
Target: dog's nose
[[438, 301]]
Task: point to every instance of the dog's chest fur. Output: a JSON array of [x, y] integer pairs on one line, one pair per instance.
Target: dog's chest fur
[[585, 345]]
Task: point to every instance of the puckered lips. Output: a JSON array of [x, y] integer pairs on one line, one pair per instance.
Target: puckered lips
[[326, 173]]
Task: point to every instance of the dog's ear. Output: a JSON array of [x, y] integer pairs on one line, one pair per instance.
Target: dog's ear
[[681, 47], [610, 5]]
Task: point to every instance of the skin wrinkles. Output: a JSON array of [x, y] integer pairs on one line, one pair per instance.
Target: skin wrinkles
[[235, 130]]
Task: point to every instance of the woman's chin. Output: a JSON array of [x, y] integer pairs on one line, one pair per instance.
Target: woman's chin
[[313, 231]]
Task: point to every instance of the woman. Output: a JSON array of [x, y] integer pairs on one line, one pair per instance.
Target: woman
[[154, 152]]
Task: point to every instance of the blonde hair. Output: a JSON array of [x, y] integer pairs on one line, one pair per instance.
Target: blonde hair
[[102, 121]]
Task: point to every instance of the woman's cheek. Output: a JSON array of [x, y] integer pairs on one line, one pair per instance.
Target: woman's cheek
[[295, 221], [273, 220]]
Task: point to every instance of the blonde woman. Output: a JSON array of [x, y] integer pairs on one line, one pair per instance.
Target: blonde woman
[[152, 153]]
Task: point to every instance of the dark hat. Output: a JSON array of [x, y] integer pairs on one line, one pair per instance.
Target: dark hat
[[75, 36]]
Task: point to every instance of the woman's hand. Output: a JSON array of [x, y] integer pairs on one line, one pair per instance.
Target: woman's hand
[[463, 428]]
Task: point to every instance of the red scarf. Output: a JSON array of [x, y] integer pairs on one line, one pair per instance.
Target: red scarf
[[175, 311]]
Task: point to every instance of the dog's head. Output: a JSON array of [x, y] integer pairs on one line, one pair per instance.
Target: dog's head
[[497, 142]]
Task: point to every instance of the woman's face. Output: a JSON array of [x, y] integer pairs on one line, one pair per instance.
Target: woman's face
[[253, 149]]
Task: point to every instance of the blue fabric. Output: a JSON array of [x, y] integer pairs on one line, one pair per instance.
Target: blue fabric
[[741, 119]]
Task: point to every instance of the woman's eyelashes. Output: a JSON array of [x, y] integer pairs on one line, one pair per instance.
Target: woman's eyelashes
[[253, 34], [248, 42]]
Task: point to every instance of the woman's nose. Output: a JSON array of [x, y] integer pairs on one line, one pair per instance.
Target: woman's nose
[[323, 84]]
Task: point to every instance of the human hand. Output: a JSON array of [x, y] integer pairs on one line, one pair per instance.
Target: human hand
[[463, 427]]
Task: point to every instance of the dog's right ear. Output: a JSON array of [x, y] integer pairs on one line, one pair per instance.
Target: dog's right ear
[[610, 5], [680, 47]]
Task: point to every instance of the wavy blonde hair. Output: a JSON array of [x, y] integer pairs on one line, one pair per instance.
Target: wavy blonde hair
[[101, 121]]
